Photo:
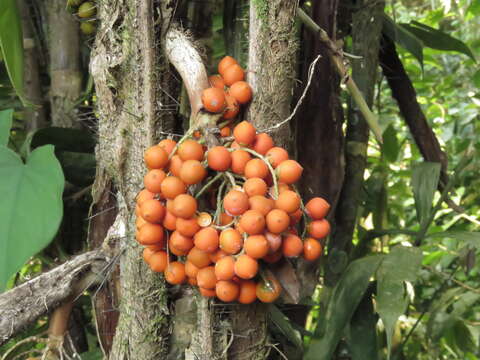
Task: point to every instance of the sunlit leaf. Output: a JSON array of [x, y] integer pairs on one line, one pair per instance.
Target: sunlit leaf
[[404, 38]]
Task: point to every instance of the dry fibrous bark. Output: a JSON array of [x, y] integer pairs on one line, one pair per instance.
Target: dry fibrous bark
[[133, 89], [22, 305], [406, 97]]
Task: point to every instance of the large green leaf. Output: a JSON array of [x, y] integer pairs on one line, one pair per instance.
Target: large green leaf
[[400, 265], [284, 325], [470, 237], [437, 39], [425, 178], [79, 168], [31, 208], [6, 117], [64, 139], [11, 43], [390, 147], [404, 38], [342, 303]]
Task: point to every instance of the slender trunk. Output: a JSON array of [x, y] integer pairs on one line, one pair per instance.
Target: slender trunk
[[65, 72]]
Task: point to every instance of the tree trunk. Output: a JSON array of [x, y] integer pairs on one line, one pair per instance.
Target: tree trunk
[[132, 87]]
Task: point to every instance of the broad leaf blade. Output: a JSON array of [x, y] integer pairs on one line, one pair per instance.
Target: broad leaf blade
[[425, 178], [6, 117], [31, 208], [404, 38], [11, 43], [283, 323], [342, 304], [437, 39], [390, 146], [400, 265], [470, 237]]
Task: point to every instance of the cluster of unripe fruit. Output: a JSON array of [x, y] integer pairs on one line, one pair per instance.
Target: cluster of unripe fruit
[[85, 10], [251, 215]]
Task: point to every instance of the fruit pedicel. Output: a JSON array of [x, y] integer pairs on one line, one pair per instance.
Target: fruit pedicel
[[218, 218]]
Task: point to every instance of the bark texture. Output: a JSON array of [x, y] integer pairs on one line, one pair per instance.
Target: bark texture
[[65, 71], [366, 34], [22, 305], [406, 96], [131, 81]]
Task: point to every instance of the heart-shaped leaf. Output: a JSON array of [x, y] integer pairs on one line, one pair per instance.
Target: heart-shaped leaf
[[32, 206]]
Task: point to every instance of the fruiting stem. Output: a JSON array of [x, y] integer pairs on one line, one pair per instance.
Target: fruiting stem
[[207, 185], [230, 178], [274, 178], [187, 135], [219, 202], [304, 213]]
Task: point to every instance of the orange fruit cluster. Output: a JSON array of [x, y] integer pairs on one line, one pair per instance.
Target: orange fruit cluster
[[217, 218], [227, 92]]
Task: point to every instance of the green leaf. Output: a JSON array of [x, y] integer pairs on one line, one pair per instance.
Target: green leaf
[[400, 265], [11, 43], [31, 208], [404, 38], [476, 79], [6, 117], [425, 178], [342, 303], [64, 139], [390, 146], [283, 323], [437, 39], [79, 168], [362, 335], [470, 237]]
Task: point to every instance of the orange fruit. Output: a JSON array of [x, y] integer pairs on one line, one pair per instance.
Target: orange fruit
[[226, 130], [292, 245], [295, 217], [190, 150], [158, 261], [224, 268], [204, 219], [153, 211], [288, 201], [187, 227], [225, 219], [244, 133], [139, 222], [181, 242], [227, 291], [252, 222], [207, 292], [239, 228], [197, 134], [289, 171], [232, 108], [312, 249], [175, 165], [273, 257], [174, 250], [213, 100], [172, 186], [317, 208], [268, 291], [246, 267], [256, 168], [155, 157], [240, 158], [199, 258], [241, 91], [168, 145], [175, 273], [147, 252], [206, 277], [216, 81], [219, 158], [232, 74], [225, 63], [217, 255], [150, 234], [192, 281], [235, 202], [207, 240], [170, 221], [255, 186], [277, 221], [263, 142], [248, 292], [184, 206], [317, 229], [231, 241], [191, 270], [153, 180], [261, 203], [192, 172], [144, 195], [157, 247], [276, 155], [274, 242], [256, 246]]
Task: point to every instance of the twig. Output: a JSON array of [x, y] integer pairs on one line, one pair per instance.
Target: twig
[[458, 282], [336, 55], [311, 70], [36, 338]]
